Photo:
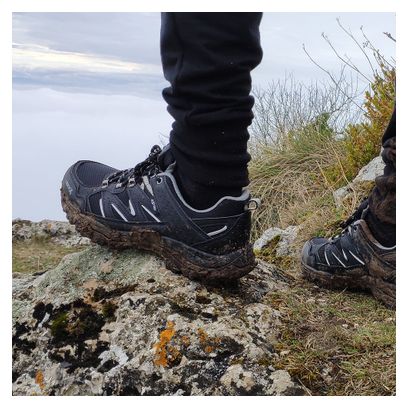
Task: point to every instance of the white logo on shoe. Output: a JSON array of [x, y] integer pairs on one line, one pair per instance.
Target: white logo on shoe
[[70, 189]]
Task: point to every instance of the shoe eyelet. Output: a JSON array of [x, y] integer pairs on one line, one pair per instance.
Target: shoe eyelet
[[159, 180], [253, 204]]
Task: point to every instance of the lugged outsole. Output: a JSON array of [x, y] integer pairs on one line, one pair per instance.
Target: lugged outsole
[[380, 289], [178, 257]]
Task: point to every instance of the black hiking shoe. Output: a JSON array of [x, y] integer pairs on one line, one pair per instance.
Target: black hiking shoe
[[143, 208], [353, 260]]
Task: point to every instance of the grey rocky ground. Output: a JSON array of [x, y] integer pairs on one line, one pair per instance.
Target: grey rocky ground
[[59, 232], [104, 323], [120, 323]]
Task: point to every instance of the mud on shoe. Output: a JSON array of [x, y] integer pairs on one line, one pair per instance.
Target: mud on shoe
[[353, 260], [143, 208]]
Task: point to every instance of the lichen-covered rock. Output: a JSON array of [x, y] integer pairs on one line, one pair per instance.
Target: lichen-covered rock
[[119, 323], [371, 170], [59, 232], [286, 237]]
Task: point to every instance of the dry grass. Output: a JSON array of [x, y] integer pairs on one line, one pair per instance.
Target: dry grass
[[306, 143], [295, 179], [336, 343], [38, 254], [296, 176]]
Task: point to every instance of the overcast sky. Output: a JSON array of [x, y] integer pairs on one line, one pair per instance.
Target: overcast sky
[[88, 85]]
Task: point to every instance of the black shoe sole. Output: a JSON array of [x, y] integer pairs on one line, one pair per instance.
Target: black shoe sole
[[178, 257], [357, 281]]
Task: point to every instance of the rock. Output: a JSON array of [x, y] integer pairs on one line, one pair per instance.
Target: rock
[[58, 232], [282, 384], [370, 171], [237, 378], [340, 194], [366, 175], [286, 238], [135, 328]]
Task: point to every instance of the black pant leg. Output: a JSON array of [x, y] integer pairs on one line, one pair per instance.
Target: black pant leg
[[382, 201], [207, 58], [391, 131]]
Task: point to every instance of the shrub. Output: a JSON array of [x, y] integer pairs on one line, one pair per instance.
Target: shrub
[[363, 140]]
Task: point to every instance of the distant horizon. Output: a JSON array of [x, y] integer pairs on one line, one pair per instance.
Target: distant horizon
[[88, 86]]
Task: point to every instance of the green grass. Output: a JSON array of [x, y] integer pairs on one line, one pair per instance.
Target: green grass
[[38, 254]]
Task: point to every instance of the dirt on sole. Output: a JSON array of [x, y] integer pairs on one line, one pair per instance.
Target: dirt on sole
[[179, 257], [358, 280]]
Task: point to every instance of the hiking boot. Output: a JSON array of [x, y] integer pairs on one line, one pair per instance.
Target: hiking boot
[[353, 260], [143, 208]]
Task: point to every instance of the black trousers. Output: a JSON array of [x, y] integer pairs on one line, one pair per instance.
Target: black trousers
[[207, 58], [382, 200]]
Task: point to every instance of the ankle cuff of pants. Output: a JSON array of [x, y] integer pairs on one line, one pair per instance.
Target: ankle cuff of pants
[[383, 232], [212, 156]]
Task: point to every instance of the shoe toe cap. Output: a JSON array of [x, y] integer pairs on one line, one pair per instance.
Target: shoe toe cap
[[310, 250], [82, 178], [306, 252]]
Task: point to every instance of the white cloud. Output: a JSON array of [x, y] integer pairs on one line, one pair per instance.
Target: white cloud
[[52, 130], [34, 57]]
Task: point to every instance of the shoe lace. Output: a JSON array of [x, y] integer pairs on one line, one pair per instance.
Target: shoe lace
[[349, 225], [130, 176], [346, 231]]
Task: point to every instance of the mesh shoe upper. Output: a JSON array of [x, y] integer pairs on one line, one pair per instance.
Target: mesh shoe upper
[[92, 174]]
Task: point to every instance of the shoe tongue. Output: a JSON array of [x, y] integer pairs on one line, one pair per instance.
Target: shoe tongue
[[165, 158], [358, 214]]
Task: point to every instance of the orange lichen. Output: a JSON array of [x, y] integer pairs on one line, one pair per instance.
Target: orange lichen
[[203, 336], [207, 343], [173, 356], [161, 347], [209, 349], [185, 340], [39, 379]]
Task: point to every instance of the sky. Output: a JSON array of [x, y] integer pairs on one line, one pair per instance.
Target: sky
[[88, 86]]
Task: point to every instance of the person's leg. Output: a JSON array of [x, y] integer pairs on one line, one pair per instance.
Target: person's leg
[[363, 256], [204, 230], [381, 214], [207, 58]]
